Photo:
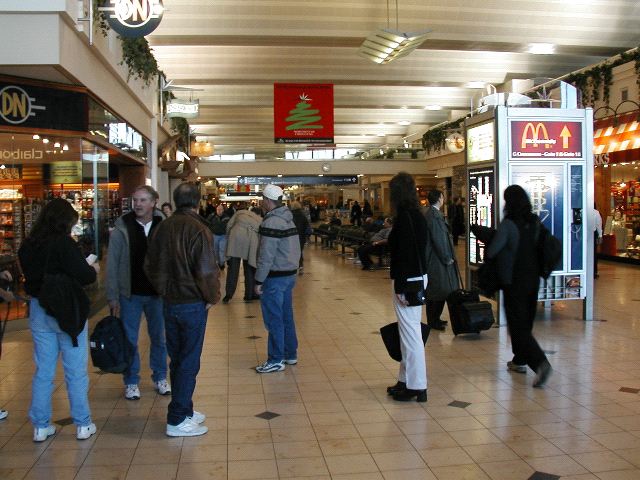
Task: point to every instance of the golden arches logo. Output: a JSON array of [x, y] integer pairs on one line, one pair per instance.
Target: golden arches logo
[[534, 140]]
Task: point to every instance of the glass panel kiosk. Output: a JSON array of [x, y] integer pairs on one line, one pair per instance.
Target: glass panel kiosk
[[548, 152]]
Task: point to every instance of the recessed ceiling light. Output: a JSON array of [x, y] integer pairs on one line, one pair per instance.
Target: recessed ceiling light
[[475, 84], [404, 123], [279, 175], [56, 145], [65, 147], [45, 140], [36, 137], [542, 48], [433, 107]]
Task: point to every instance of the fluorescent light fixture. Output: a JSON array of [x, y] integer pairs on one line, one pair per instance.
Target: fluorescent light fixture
[[433, 107], [65, 147], [385, 45], [381, 134], [279, 175], [541, 48], [404, 123], [56, 145], [475, 84], [36, 137], [45, 140]]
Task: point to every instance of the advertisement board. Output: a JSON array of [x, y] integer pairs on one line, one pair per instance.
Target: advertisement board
[[303, 113], [482, 186], [533, 139], [481, 143]]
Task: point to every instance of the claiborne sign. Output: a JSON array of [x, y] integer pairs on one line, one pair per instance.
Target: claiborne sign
[[21, 154], [531, 139], [133, 18]]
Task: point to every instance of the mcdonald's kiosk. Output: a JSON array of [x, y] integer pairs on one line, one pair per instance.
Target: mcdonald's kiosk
[[548, 152]]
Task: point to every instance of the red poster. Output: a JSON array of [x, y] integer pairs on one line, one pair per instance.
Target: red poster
[[534, 139], [303, 113]]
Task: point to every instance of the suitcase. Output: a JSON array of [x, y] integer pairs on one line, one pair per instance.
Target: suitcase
[[467, 314]]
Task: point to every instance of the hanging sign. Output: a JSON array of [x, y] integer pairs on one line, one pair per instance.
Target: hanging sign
[[184, 109], [133, 18], [303, 113], [533, 139]]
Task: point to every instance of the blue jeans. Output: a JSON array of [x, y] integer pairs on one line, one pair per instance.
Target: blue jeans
[[185, 325], [131, 313], [277, 313], [48, 342], [219, 247]]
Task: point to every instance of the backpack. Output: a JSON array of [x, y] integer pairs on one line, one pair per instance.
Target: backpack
[[549, 252], [110, 349]]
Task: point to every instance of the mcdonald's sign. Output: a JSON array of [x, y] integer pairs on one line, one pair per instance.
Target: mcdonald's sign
[[534, 139]]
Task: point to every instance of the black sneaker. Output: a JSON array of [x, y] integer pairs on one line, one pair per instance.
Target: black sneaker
[[543, 374], [226, 299]]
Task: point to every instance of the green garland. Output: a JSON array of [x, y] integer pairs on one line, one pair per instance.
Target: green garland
[[180, 126], [434, 139]]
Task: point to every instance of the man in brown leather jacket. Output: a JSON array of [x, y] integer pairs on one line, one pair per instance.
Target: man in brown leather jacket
[[181, 266]]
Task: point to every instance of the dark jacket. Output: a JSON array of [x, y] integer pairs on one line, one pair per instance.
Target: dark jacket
[[514, 248], [180, 262], [302, 224], [443, 278], [65, 301], [407, 245], [218, 225]]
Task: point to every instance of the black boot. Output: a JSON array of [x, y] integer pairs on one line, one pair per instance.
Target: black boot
[[398, 387], [407, 395]]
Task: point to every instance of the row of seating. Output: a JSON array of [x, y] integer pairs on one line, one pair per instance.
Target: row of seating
[[347, 237]]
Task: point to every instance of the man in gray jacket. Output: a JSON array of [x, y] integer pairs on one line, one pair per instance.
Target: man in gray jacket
[[129, 291], [278, 260]]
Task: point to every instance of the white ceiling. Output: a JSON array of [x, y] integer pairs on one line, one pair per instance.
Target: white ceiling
[[235, 50]]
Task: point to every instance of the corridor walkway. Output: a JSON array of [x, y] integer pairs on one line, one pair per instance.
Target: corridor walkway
[[329, 416]]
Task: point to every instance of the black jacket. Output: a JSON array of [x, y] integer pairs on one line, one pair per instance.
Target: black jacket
[[407, 245], [302, 224]]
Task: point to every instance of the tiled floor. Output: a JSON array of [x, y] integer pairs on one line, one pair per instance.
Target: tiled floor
[[334, 419]]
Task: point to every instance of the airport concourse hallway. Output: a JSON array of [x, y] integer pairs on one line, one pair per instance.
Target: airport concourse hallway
[[329, 417]]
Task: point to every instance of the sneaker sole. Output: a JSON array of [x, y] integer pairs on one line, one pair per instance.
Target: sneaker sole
[[163, 394], [186, 434], [271, 370], [291, 362]]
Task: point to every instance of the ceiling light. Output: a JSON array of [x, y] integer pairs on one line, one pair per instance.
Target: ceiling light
[[321, 175], [56, 145], [404, 123], [36, 137], [2, 167], [45, 140], [279, 175], [381, 134], [433, 107], [65, 147], [385, 45], [475, 84], [542, 48]]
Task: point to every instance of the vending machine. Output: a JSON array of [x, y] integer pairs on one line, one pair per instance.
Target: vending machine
[[548, 152]]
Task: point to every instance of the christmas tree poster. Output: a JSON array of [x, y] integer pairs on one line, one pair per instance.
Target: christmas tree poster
[[303, 113]]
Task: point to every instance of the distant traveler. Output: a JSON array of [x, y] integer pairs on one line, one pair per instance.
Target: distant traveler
[[458, 223], [375, 245], [49, 248], [218, 224], [304, 229], [356, 214], [366, 209], [597, 238], [515, 249]]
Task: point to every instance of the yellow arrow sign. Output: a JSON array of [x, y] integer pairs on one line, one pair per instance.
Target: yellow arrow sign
[[565, 134]]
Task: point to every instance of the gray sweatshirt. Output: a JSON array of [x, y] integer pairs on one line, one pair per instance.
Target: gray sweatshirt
[[279, 251]]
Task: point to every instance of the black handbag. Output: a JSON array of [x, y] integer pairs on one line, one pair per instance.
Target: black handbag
[[391, 338], [488, 278], [414, 292]]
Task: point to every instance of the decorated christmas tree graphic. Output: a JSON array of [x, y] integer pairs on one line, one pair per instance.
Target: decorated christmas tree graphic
[[303, 116]]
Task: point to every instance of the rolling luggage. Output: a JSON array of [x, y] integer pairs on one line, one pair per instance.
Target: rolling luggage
[[467, 314]]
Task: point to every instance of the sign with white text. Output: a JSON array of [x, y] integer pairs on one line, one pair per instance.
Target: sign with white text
[[133, 18], [533, 139], [303, 113]]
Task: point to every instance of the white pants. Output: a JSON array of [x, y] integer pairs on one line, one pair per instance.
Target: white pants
[[413, 367]]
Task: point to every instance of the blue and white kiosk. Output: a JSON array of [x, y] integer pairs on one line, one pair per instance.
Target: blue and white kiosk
[[547, 151]]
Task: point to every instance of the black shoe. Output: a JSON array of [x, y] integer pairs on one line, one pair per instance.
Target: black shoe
[[226, 299], [250, 299], [543, 373], [407, 395], [255, 297], [437, 326], [398, 387], [221, 266]]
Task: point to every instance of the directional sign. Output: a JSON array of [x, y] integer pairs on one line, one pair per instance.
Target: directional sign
[[533, 139]]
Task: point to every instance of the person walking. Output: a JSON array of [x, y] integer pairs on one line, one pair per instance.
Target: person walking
[[597, 238], [49, 249], [440, 255], [514, 246], [356, 214], [218, 225], [304, 228], [242, 246], [278, 260], [130, 293], [407, 245], [181, 267]]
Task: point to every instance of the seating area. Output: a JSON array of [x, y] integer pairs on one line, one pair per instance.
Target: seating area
[[348, 238]]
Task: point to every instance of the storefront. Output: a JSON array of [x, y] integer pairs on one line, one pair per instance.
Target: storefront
[[57, 141], [617, 185]]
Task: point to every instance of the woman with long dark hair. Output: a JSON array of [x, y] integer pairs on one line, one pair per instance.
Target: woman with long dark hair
[[515, 248], [407, 244], [50, 249]]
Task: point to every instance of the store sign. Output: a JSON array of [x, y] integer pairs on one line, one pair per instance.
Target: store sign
[[133, 18], [179, 108], [40, 107], [480, 143], [301, 180], [532, 139], [303, 113], [21, 154], [66, 172], [601, 159], [481, 208]]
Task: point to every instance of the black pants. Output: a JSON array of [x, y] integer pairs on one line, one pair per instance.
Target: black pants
[[434, 310], [364, 252], [520, 307], [595, 254], [233, 273]]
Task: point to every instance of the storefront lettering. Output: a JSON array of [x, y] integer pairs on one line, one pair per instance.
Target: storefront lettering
[[20, 154], [601, 159], [16, 106]]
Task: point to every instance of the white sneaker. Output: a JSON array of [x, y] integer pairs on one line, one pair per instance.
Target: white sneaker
[[188, 428], [163, 387], [82, 433], [132, 392], [198, 417], [291, 361], [3, 414], [41, 434]]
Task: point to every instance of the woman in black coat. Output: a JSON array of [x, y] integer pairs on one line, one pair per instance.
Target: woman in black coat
[[515, 248], [407, 243]]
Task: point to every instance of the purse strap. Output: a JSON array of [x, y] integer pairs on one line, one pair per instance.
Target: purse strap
[[415, 243]]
